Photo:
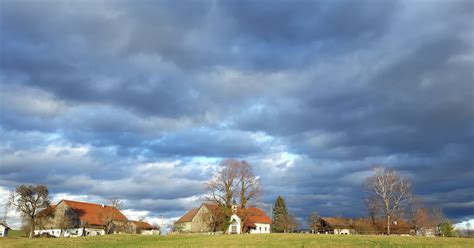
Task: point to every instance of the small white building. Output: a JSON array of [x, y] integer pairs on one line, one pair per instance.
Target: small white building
[[235, 224], [253, 220], [4, 230]]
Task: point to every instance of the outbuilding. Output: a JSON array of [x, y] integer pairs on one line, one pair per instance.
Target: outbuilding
[[4, 229]]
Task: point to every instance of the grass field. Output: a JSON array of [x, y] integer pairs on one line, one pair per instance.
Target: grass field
[[265, 240]]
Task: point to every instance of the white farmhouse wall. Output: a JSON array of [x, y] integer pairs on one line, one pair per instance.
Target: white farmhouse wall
[[3, 231], [235, 226], [342, 231], [260, 228], [150, 232], [73, 232]]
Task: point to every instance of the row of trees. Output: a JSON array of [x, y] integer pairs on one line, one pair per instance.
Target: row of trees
[[390, 197]]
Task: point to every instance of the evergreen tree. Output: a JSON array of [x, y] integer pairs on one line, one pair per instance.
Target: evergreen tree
[[447, 229], [280, 216]]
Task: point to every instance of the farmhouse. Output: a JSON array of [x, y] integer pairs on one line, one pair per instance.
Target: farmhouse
[[142, 227], [346, 226], [4, 229], [203, 219], [73, 218]]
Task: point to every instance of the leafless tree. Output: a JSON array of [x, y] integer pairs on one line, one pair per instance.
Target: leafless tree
[[421, 218], [115, 202], [249, 184], [439, 218], [388, 190], [313, 221], [291, 223], [234, 179], [29, 200], [221, 188], [374, 209], [214, 218]]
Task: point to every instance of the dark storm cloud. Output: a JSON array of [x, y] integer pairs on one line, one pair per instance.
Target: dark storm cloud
[[113, 98]]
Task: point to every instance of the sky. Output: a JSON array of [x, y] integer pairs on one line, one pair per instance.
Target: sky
[[141, 100]]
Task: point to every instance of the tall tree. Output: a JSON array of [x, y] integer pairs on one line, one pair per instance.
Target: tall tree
[[221, 188], [249, 185], [439, 218], [313, 221], [389, 191], [29, 200], [280, 216]]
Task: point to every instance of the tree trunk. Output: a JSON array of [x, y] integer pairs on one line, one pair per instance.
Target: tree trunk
[[388, 224], [32, 227]]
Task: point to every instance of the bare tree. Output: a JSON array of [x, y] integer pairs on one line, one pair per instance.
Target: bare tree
[[291, 223], [313, 221], [221, 188], [29, 200], [389, 191], [439, 218], [115, 202], [421, 218], [249, 184]]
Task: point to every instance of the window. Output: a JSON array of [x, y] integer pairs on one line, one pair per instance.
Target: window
[[260, 228]]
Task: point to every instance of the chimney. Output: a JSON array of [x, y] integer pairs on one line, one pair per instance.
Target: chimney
[[103, 205]]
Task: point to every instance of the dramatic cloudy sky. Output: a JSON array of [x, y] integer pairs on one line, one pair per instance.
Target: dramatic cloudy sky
[[141, 99]]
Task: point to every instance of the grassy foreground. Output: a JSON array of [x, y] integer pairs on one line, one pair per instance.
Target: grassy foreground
[[264, 240]]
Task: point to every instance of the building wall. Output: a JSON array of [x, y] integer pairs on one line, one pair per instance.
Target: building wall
[[235, 226], [260, 228], [3, 231], [343, 231], [201, 220], [150, 232], [72, 232], [185, 227], [62, 215]]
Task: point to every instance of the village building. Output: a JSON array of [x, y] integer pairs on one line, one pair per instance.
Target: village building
[[74, 219], [4, 229], [202, 220], [347, 226], [145, 228]]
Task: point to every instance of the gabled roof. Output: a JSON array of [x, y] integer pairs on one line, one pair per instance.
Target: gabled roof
[[5, 225], [339, 221], [94, 214], [400, 227], [143, 225], [251, 215], [188, 217]]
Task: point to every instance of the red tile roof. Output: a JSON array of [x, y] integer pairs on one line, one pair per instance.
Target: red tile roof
[[188, 217], [250, 215], [95, 214], [253, 215], [143, 225]]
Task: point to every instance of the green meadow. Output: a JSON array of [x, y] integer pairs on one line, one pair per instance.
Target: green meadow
[[264, 240]]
